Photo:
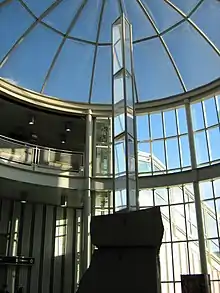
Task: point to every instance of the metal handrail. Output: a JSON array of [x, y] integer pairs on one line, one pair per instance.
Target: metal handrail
[[23, 143], [73, 161]]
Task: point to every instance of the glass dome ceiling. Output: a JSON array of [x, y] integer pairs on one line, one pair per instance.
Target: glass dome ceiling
[[62, 48]]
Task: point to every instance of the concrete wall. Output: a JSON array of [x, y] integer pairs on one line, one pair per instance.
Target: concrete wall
[[49, 234]]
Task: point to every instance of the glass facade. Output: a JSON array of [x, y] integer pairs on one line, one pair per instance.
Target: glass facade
[[165, 144]]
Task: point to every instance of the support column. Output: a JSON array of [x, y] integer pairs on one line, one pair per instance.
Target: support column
[[125, 175], [198, 206], [87, 195]]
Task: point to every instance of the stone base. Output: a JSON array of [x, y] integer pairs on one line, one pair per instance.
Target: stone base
[[127, 258]]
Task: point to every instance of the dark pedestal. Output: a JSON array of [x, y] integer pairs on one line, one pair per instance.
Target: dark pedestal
[[127, 256], [196, 283]]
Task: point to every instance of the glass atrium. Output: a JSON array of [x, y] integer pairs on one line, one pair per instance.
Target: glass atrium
[[57, 51]]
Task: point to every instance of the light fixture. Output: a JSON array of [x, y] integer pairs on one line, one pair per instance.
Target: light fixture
[[63, 200], [32, 120], [63, 139], [68, 127], [23, 197]]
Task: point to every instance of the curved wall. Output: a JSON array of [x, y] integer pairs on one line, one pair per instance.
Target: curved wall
[[179, 157]]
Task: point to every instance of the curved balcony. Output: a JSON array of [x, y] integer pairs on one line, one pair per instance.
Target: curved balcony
[[40, 158]]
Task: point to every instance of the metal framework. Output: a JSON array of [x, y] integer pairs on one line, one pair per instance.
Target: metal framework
[[159, 34]]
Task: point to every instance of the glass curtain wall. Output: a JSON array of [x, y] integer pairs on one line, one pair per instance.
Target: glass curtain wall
[[163, 147]]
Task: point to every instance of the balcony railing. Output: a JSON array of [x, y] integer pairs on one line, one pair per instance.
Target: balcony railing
[[15, 151]]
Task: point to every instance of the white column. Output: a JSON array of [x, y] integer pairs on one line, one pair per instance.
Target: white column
[[198, 206], [87, 194]]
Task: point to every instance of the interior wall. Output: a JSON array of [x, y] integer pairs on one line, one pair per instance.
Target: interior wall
[[47, 233]]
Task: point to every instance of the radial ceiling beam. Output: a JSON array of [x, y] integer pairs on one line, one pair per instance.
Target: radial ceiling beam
[[147, 14], [73, 22], [202, 34], [4, 3], [120, 7], [96, 49], [29, 29]]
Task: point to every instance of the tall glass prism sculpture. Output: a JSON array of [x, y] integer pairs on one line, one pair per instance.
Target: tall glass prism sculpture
[[123, 118]]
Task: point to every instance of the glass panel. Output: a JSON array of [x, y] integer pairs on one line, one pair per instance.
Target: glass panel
[[175, 194], [144, 147], [166, 222], [127, 47], [55, 18], [141, 26], [188, 192], [216, 184], [185, 6], [201, 147], [197, 67], [102, 160], [172, 150], [118, 88], [206, 190], [146, 197], [120, 200], [182, 123], [120, 165], [166, 262], [209, 24], [142, 127], [194, 256], [110, 14], [197, 116], [21, 21], [158, 154], [119, 124], [129, 90], [150, 71], [161, 196], [103, 132], [210, 223], [19, 65], [214, 142], [156, 125], [210, 112], [180, 256], [163, 15], [170, 123], [102, 86], [38, 7], [71, 85], [191, 221], [144, 167], [213, 246], [81, 29], [178, 222], [185, 152]]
